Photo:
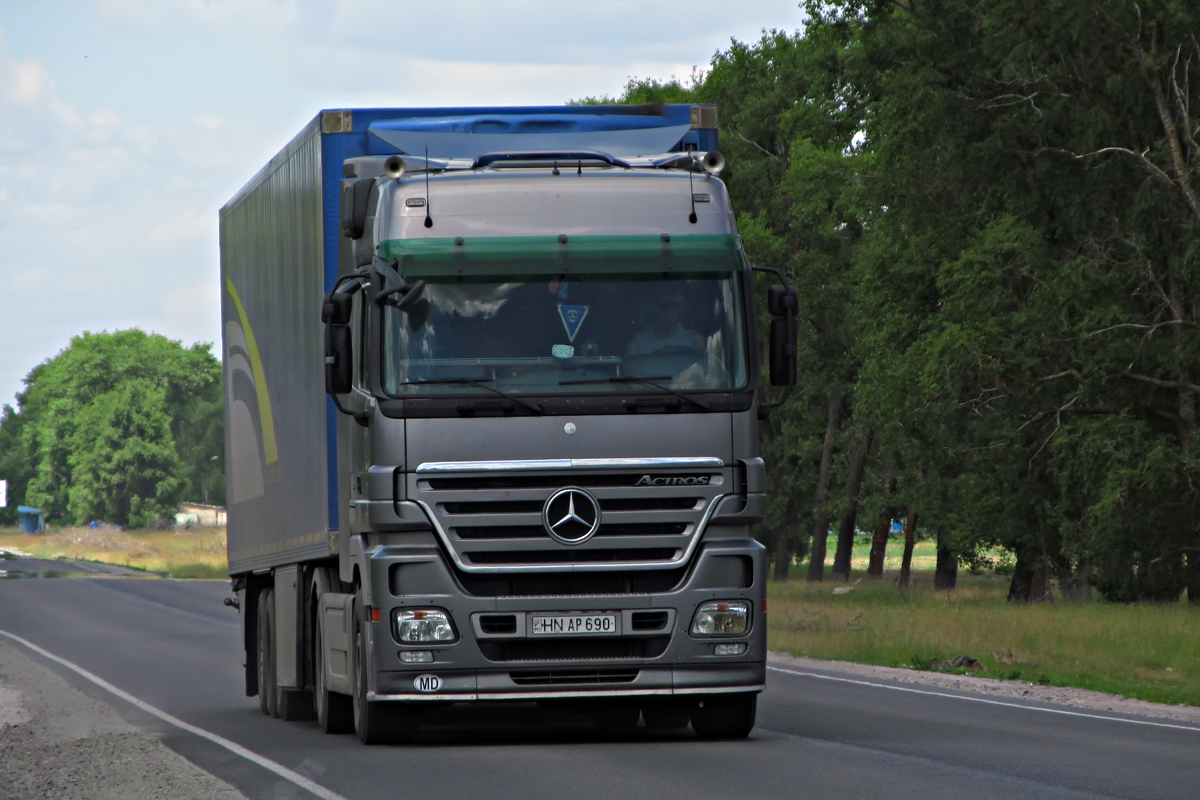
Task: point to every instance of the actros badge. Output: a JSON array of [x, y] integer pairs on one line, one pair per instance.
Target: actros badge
[[571, 515]]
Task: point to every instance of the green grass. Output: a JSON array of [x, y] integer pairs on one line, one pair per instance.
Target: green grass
[[1149, 652], [196, 553]]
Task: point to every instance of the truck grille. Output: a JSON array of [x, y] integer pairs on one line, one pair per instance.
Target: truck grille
[[493, 522]]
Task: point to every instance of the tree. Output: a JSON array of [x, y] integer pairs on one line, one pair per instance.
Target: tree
[[116, 427], [1031, 265]]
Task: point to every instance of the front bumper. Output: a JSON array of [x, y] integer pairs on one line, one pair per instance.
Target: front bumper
[[516, 666]]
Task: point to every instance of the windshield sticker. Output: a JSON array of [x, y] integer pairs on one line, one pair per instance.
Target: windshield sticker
[[562, 351], [572, 318]]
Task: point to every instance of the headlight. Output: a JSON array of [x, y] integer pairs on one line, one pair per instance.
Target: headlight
[[721, 618], [414, 625]]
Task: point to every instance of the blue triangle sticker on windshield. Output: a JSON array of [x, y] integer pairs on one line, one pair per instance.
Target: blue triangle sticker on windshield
[[572, 318]]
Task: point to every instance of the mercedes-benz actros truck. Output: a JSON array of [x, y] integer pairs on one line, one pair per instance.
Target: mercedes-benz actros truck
[[492, 401]]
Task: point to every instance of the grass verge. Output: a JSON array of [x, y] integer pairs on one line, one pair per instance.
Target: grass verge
[[196, 553], [1148, 652]]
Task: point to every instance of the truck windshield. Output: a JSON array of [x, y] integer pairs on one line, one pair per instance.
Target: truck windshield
[[590, 320]]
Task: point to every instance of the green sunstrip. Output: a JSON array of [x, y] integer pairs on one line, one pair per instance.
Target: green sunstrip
[[548, 255], [270, 451]]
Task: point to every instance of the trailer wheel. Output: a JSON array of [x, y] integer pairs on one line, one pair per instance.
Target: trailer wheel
[[334, 711], [266, 653], [725, 716], [376, 722]]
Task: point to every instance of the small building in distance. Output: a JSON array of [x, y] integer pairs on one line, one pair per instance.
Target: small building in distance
[[31, 519], [199, 515]]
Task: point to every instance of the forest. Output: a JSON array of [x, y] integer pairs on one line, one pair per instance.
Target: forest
[[992, 214]]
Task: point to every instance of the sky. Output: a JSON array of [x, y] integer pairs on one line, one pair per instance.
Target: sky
[[126, 124]]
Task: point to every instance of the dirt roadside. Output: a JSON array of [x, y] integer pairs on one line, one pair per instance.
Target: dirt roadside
[[56, 742], [1081, 699]]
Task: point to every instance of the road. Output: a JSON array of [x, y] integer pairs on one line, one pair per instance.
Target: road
[[172, 645]]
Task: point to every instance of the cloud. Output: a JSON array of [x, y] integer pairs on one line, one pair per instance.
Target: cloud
[[187, 226]]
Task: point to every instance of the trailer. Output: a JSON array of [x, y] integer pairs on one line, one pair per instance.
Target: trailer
[[491, 419]]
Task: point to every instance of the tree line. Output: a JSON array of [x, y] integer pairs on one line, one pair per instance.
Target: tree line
[[118, 427], [991, 211]]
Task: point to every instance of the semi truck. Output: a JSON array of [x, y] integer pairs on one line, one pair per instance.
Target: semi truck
[[492, 394]]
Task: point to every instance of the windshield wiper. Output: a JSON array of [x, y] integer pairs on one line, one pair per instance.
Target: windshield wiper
[[649, 380], [479, 384]]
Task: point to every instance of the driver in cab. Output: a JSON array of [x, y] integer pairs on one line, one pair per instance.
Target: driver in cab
[[666, 331]]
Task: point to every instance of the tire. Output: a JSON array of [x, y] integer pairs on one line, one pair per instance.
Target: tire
[[295, 705], [725, 716], [335, 713], [266, 653], [666, 716], [615, 719], [376, 722]]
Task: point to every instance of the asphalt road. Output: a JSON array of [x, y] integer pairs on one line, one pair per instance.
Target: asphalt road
[[172, 644]]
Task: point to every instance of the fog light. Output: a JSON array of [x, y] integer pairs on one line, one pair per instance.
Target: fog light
[[721, 618], [730, 649], [422, 656], [423, 625]]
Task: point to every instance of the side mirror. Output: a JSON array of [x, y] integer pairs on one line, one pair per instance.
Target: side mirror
[[783, 302], [353, 216], [339, 348], [337, 309], [783, 351], [339, 359]]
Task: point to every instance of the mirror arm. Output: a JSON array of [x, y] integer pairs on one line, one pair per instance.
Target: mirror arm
[[361, 417]]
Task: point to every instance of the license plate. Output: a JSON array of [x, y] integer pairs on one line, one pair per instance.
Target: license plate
[[573, 625]]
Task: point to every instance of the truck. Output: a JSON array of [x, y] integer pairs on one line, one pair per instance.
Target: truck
[[492, 394]]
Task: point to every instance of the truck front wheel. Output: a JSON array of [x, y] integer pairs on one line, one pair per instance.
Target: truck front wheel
[[266, 652], [334, 711], [725, 716], [375, 722]]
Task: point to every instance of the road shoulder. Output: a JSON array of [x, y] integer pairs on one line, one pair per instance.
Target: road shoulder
[[992, 687], [58, 742]]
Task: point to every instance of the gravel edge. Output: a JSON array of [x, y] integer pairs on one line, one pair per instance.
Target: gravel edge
[[996, 688], [58, 742]]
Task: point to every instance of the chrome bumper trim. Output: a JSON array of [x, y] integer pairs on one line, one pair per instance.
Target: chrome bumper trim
[[572, 694]]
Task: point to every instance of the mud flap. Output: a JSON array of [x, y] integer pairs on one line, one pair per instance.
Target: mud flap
[[337, 639]]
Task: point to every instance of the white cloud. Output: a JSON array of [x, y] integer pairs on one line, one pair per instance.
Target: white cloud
[[189, 225], [104, 117]]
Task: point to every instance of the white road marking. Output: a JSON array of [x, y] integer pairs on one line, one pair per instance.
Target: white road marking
[[982, 700], [233, 747]]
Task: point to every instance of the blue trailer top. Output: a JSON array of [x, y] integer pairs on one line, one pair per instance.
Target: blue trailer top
[[621, 130]]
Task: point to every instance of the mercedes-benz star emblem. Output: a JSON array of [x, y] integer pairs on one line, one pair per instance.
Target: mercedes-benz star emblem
[[571, 515]]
